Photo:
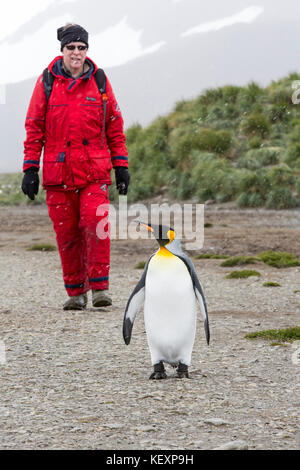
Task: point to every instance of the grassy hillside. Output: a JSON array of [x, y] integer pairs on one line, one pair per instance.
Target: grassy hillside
[[231, 143]]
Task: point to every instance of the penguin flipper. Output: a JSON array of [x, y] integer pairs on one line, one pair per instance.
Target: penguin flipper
[[201, 300], [133, 306], [198, 292]]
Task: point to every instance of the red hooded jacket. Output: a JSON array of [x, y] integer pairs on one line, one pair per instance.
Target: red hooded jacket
[[70, 127]]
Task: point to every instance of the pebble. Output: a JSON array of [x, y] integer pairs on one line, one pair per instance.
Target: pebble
[[233, 445], [216, 421]]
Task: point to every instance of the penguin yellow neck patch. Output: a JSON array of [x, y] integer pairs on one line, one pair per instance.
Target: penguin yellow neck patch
[[164, 252]]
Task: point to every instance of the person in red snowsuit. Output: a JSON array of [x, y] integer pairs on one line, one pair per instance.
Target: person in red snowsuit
[[81, 132]]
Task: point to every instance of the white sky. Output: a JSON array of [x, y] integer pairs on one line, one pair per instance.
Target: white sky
[[15, 13], [122, 43]]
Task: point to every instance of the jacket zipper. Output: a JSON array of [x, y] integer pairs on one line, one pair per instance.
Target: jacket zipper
[[104, 98], [72, 173]]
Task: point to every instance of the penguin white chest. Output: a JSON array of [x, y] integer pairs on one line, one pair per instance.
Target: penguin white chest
[[170, 309]]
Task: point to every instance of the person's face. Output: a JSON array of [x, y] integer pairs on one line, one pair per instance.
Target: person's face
[[74, 55]]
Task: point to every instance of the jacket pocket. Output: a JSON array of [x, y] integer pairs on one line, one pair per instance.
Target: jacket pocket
[[53, 170], [91, 117], [58, 208], [100, 166], [56, 198]]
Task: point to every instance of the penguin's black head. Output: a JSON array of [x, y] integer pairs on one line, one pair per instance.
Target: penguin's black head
[[163, 234]]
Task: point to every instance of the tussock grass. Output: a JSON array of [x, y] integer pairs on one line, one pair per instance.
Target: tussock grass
[[239, 261], [271, 284], [42, 247], [243, 274], [228, 144], [140, 265], [280, 335], [279, 259]]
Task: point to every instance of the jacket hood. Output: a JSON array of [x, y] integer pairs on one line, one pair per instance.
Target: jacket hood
[[55, 68]]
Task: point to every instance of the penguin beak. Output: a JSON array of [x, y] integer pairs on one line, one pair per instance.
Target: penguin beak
[[148, 227], [142, 224]]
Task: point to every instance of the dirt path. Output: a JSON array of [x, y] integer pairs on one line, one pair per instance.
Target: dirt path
[[69, 381]]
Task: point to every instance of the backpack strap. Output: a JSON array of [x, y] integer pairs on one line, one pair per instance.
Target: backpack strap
[[100, 80], [48, 80], [101, 84]]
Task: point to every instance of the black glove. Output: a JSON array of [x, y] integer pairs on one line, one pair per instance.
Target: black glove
[[30, 182], [122, 179]]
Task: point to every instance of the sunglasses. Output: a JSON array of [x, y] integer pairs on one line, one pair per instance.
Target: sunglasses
[[72, 48]]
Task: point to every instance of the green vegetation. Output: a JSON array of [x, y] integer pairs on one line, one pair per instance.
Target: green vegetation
[[231, 143], [243, 274], [140, 265], [256, 124], [279, 259], [210, 256], [239, 261], [271, 284], [42, 247], [281, 335]]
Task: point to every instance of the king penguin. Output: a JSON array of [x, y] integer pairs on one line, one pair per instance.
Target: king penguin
[[169, 289]]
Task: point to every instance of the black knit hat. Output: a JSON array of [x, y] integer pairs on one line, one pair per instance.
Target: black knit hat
[[72, 33]]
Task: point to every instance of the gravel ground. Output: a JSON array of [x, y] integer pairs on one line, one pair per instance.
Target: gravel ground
[[68, 381]]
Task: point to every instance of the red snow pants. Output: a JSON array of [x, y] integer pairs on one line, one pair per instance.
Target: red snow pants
[[79, 219]]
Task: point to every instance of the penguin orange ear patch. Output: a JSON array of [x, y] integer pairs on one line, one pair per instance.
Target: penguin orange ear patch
[[171, 235]]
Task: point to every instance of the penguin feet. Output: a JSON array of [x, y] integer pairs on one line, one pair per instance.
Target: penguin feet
[[159, 372], [182, 371]]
